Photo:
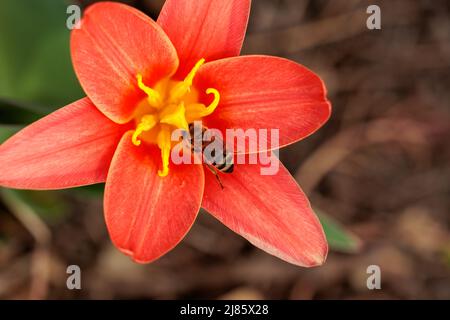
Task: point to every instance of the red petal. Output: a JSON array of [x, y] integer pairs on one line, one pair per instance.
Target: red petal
[[148, 215], [205, 29], [70, 147], [114, 44], [263, 92], [269, 211]]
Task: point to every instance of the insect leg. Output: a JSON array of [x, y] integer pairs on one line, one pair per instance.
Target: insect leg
[[214, 172]]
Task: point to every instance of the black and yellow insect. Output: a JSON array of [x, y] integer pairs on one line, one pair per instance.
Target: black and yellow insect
[[226, 163]]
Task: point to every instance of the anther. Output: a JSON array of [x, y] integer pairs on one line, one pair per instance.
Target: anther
[[184, 86], [146, 124], [198, 110], [153, 96], [164, 143]]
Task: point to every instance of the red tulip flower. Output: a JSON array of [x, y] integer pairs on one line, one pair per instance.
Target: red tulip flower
[[143, 79]]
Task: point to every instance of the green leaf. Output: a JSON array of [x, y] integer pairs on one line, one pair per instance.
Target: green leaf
[[35, 65], [338, 238]]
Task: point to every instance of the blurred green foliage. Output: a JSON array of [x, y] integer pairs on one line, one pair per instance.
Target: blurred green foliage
[[338, 238], [48, 205], [7, 131], [35, 65], [12, 113], [92, 191], [36, 77]]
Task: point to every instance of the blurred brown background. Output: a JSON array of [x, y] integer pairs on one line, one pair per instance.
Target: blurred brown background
[[380, 166]]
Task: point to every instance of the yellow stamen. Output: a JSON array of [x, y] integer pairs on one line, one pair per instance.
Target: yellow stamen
[[169, 105], [197, 110], [190, 77], [154, 98], [147, 123], [164, 143], [175, 115], [185, 86]]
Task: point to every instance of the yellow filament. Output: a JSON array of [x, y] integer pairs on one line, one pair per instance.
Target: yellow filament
[[164, 143], [147, 123], [153, 96], [185, 86]]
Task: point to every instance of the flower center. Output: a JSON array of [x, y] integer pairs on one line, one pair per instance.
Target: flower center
[[169, 106]]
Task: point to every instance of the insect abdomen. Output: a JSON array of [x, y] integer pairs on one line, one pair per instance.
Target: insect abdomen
[[227, 166]]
